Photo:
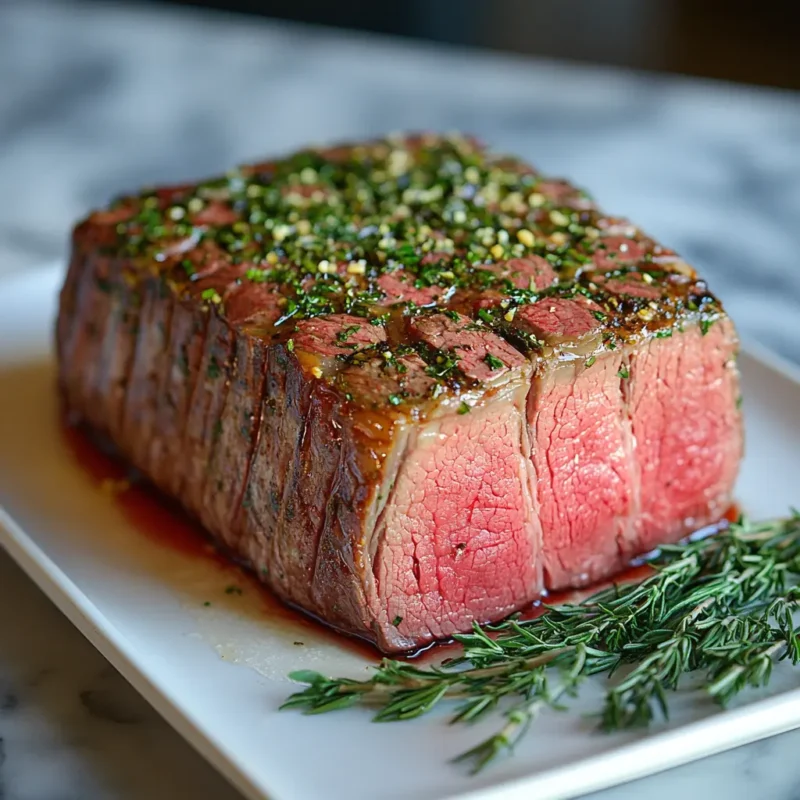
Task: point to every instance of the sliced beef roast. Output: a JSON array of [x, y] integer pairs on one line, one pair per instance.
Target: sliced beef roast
[[413, 384]]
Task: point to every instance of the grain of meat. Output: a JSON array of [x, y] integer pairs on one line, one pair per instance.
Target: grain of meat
[[411, 383]]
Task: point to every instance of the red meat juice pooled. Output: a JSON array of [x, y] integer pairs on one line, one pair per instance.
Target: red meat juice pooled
[[163, 521]]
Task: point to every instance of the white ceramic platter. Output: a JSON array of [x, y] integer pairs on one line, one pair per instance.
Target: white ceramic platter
[[217, 672]]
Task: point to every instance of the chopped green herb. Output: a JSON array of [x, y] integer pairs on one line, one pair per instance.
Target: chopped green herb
[[233, 589], [445, 364], [493, 361], [464, 408], [188, 267], [256, 275], [395, 399], [326, 228], [396, 621], [343, 334], [623, 373], [591, 360], [214, 370]]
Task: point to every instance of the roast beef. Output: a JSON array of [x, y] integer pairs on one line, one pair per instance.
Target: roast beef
[[411, 383]]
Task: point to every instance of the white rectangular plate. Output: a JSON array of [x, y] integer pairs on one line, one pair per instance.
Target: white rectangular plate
[[217, 672]]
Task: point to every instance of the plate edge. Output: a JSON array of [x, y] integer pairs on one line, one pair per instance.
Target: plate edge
[[105, 637]]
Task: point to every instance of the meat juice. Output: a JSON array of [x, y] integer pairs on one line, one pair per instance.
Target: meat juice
[[163, 522]]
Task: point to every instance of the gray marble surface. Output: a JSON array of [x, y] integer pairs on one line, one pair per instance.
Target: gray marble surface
[[95, 99]]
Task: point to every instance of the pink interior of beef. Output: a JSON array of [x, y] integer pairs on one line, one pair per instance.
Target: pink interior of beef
[[682, 400], [627, 450], [532, 272], [458, 540], [582, 459]]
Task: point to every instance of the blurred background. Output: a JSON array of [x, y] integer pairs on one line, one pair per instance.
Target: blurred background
[[681, 114], [740, 40]]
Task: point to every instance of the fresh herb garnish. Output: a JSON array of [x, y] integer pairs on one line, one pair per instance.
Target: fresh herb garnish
[[623, 373], [720, 607]]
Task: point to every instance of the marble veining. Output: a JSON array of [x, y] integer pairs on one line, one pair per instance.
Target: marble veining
[[100, 98]]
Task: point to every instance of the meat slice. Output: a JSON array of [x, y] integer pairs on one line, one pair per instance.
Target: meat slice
[[398, 287], [682, 398], [458, 539], [558, 320], [581, 444], [532, 272], [411, 384]]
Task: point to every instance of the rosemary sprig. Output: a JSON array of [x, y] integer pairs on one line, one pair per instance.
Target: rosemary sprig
[[721, 606]]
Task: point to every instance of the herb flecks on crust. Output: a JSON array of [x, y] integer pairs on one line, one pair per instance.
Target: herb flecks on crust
[[407, 226]]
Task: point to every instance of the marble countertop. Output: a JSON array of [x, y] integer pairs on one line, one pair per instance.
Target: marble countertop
[[99, 98]]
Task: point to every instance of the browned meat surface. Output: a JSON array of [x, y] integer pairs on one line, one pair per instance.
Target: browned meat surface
[[411, 383]]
